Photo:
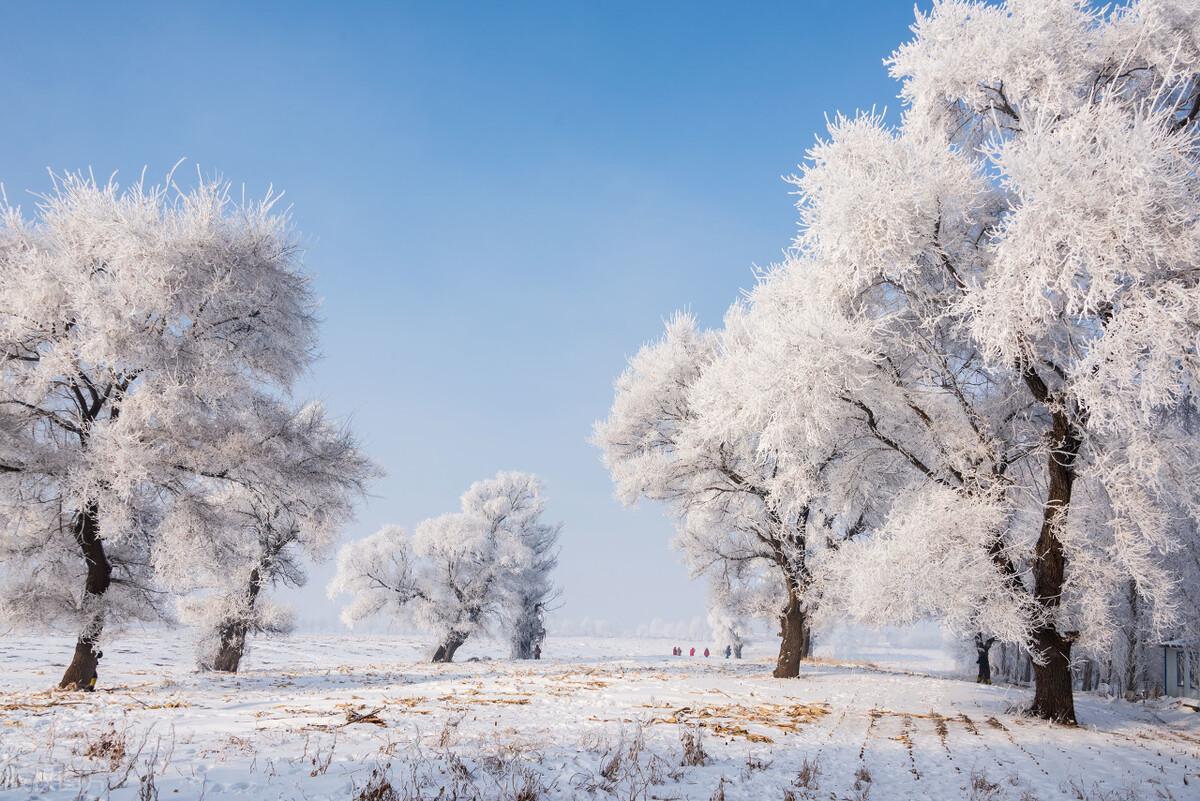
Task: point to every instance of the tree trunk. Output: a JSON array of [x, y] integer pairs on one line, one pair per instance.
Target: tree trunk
[[737, 651], [522, 647], [81, 673], [233, 632], [983, 658], [452, 642], [797, 638], [788, 552], [529, 633], [233, 645], [1053, 696], [1132, 646]]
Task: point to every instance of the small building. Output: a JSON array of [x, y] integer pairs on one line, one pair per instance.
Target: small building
[[1181, 669]]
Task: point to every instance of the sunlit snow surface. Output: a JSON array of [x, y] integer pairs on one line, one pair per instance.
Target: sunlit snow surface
[[563, 728]]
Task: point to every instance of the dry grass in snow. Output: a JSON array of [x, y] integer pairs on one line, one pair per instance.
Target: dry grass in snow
[[317, 717]]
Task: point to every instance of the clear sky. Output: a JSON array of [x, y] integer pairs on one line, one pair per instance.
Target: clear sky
[[500, 204]]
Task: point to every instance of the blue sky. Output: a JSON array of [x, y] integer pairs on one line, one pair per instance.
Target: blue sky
[[499, 203]]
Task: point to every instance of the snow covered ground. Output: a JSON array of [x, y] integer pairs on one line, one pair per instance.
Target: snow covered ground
[[326, 716]]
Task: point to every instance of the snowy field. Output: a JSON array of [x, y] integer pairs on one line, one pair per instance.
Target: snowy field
[[326, 716]]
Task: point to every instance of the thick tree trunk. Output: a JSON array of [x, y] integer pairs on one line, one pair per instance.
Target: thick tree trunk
[[983, 648], [797, 638], [1053, 697], [81, 673], [1133, 671], [529, 633], [229, 652], [452, 642], [522, 648], [233, 632]]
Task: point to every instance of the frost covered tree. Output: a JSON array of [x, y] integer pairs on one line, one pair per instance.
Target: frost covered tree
[[134, 326], [983, 657], [509, 507], [731, 606], [459, 573], [1087, 286], [1006, 283], [1100, 175], [285, 496], [379, 573], [530, 592], [672, 436]]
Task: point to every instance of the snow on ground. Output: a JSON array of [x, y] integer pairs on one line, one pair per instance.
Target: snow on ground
[[325, 716]]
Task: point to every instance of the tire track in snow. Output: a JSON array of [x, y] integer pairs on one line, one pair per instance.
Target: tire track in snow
[[836, 725], [1092, 750], [862, 777], [943, 733], [838, 734], [944, 771], [887, 755], [873, 715], [938, 771], [996, 724], [905, 737], [966, 756]]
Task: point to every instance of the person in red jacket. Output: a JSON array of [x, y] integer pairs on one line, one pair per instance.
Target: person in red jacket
[[692, 652], [706, 652]]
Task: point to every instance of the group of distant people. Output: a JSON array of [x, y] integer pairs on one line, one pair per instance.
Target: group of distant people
[[677, 651]]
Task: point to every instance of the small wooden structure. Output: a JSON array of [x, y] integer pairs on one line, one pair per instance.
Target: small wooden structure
[[1181, 669]]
